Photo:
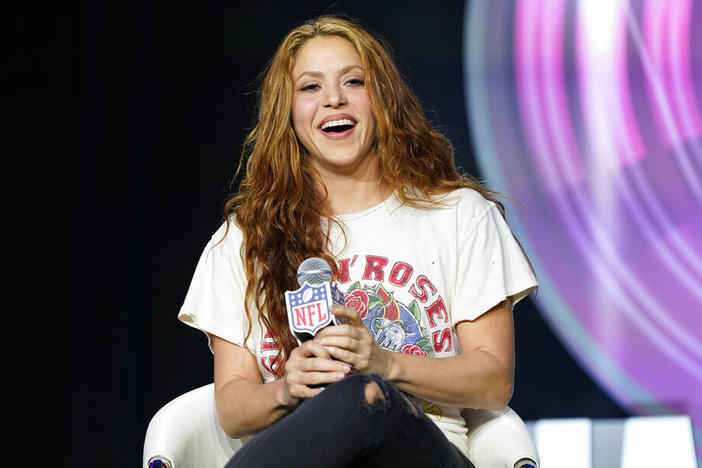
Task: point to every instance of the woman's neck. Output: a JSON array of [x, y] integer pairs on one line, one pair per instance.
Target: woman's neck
[[350, 193], [354, 196]]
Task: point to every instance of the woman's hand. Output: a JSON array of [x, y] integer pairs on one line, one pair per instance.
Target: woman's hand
[[309, 365], [354, 344]]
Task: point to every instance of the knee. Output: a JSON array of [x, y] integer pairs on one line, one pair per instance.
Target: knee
[[378, 394], [374, 395]]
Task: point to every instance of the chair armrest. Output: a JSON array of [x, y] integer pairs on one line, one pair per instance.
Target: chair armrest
[[499, 439], [186, 433]]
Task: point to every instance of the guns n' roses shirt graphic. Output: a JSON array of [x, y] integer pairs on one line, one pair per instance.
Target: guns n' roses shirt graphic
[[412, 275]]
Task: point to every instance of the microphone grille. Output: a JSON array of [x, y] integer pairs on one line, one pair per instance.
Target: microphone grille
[[314, 271]]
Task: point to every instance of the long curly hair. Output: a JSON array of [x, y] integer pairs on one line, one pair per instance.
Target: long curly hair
[[279, 206]]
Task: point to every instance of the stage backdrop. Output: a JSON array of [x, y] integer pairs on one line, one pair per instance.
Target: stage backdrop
[[589, 112]]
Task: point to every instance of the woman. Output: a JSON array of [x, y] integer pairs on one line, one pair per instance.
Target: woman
[[343, 165]]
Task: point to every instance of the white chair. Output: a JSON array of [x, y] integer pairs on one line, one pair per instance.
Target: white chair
[[499, 439], [185, 433]]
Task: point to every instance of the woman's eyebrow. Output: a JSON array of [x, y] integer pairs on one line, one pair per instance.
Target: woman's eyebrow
[[317, 74]]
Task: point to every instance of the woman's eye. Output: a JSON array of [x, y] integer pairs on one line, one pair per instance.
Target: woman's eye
[[356, 82], [309, 87]]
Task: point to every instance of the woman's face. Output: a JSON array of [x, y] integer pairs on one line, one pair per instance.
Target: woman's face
[[331, 110]]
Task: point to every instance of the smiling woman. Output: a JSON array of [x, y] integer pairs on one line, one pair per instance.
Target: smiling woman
[[343, 165]]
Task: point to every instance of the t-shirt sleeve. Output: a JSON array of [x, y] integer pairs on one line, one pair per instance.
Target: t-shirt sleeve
[[491, 265], [214, 303]]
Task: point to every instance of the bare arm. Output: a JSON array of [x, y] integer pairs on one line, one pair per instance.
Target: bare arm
[[245, 405], [481, 377]]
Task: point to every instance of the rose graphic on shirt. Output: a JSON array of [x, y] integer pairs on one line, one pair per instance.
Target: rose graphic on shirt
[[394, 325], [358, 301], [413, 349]]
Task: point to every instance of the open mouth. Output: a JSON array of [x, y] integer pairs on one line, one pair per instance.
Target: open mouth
[[337, 126]]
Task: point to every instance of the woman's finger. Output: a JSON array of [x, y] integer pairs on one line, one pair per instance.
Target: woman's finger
[[339, 330], [303, 391], [346, 312], [323, 365], [311, 348], [344, 342], [321, 378], [345, 355]]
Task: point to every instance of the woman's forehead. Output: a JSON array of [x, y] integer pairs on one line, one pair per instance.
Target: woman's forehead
[[324, 54]]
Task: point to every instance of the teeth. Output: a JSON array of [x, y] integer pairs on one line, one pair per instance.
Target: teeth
[[337, 123]]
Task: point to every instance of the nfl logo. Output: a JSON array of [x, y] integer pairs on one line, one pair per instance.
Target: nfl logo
[[308, 308]]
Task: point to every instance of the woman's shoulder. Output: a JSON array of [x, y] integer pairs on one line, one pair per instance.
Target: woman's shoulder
[[466, 201], [227, 236]]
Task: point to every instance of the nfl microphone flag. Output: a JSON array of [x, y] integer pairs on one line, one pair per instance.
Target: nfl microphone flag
[[308, 309]]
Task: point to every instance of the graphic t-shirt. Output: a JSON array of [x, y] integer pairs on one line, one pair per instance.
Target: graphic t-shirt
[[411, 274]]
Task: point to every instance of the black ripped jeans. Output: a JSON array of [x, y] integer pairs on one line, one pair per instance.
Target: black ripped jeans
[[339, 428]]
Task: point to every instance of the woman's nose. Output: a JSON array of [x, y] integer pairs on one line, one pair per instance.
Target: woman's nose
[[334, 97]]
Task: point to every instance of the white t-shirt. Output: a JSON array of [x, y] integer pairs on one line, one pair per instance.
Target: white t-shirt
[[412, 275]]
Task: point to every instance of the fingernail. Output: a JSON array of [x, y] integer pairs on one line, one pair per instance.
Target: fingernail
[[347, 368]]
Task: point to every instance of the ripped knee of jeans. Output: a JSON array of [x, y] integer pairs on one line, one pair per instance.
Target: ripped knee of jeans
[[374, 396], [377, 392]]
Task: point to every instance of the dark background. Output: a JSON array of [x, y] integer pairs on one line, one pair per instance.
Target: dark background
[[126, 121]]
